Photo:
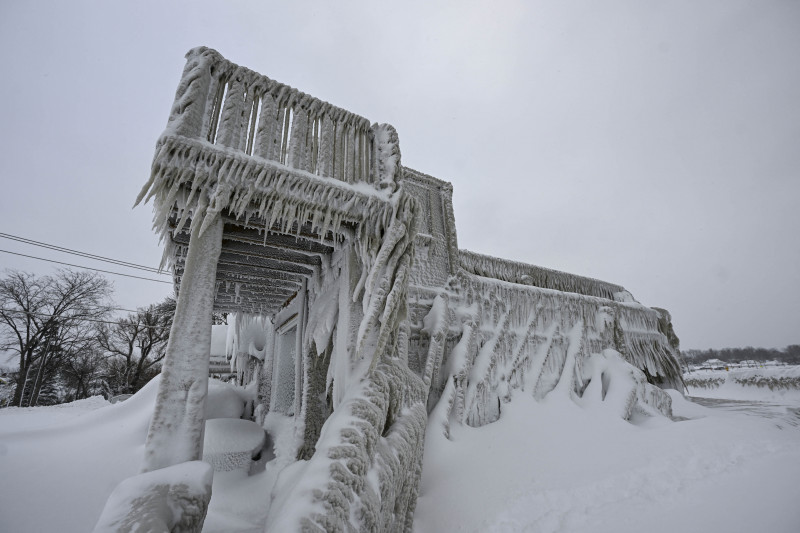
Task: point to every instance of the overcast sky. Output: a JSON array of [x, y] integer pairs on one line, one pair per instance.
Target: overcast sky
[[654, 144]]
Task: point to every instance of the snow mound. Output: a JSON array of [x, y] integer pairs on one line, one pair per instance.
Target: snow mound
[[616, 384], [72, 462], [172, 499], [225, 400], [231, 444], [24, 418]]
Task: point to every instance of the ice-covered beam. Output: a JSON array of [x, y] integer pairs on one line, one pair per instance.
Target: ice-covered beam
[[253, 287], [262, 306], [525, 274], [231, 272], [255, 226], [245, 293], [263, 309], [227, 282], [272, 252], [263, 263], [268, 251], [236, 232]]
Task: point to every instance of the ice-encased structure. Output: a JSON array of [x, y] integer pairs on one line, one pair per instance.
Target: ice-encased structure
[[352, 308]]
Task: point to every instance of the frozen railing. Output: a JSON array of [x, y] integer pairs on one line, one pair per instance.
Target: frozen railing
[[224, 104], [516, 272]]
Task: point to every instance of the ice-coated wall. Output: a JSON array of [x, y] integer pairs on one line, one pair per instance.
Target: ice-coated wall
[[436, 246], [490, 337]]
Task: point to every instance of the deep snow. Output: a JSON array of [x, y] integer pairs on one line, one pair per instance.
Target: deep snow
[[550, 467], [722, 465]]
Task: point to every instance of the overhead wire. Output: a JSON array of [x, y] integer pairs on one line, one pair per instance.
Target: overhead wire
[[85, 267], [83, 318], [83, 254]]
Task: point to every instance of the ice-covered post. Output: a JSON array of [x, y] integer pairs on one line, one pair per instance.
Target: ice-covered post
[[190, 113], [176, 430]]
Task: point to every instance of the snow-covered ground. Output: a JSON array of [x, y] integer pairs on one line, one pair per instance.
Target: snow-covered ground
[[558, 467], [724, 465]]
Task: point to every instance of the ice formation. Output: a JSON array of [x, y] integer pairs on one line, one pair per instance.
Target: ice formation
[[352, 309], [231, 443], [173, 499]]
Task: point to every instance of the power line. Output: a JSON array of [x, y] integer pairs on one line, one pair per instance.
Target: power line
[[122, 309], [82, 254], [83, 318], [112, 309], [87, 268]]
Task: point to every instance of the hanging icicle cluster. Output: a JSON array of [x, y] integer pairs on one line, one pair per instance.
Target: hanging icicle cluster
[[383, 285], [184, 169]]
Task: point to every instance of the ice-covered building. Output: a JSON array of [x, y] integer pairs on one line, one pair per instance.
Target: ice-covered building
[[352, 306]]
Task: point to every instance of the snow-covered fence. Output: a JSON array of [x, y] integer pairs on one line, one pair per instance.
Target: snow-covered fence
[[227, 105], [776, 379]]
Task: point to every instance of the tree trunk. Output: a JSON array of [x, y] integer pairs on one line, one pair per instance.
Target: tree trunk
[[37, 383], [22, 379]]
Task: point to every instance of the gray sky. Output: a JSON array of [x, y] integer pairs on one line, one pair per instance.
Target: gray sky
[[652, 144]]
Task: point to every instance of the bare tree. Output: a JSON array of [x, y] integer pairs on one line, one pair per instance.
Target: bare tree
[[82, 372], [46, 319], [135, 346]]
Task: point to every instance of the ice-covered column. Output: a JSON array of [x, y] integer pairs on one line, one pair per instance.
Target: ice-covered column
[[298, 142], [345, 338], [232, 119], [349, 154], [268, 139], [176, 430], [190, 108], [325, 160]]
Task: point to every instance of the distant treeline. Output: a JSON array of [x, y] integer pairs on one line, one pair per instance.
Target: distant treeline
[[789, 355]]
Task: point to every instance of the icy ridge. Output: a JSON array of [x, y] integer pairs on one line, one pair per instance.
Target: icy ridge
[[525, 274]]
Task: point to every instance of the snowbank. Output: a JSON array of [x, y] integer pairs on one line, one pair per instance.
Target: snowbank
[[557, 467], [58, 471], [543, 466], [68, 458]]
